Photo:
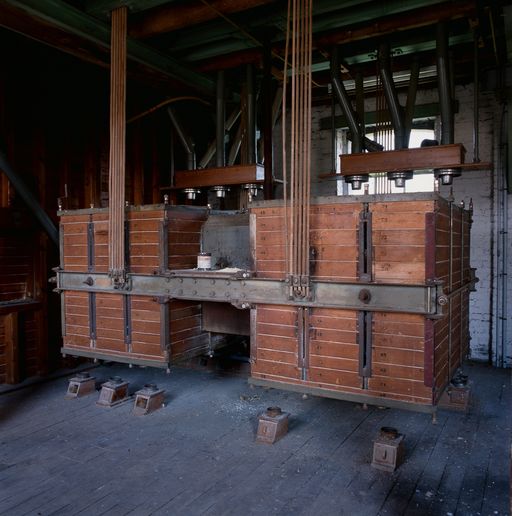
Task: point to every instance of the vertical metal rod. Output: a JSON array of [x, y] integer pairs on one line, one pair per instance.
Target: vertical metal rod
[[462, 215], [117, 167], [186, 141], [127, 316], [210, 152], [220, 121], [343, 99], [395, 110], [476, 102], [251, 115], [445, 90], [360, 101], [172, 168], [411, 99], [268, 158], [450, 288], [334, 157]]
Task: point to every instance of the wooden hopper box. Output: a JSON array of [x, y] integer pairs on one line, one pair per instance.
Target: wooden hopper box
[[409, 358], [127, 328]]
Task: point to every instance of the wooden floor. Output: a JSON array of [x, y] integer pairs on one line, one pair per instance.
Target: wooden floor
[[198, 456]]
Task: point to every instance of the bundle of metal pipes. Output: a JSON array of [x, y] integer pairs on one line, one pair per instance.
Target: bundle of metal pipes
[[117, 146], [299, 35]]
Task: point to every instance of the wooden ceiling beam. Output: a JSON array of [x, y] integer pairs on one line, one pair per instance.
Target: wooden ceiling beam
[[104, 7], [168, 18]]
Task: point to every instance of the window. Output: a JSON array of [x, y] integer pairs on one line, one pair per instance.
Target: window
[[379, 183]]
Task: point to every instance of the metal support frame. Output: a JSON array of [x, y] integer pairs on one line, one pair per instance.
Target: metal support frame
[[243, 291], [365, 346], [346, 106], [185, 139], [395, 109], [365, 245], [220, 127], [90, 246], [445, 93], [303, 330], [92, 317], [127, 316]]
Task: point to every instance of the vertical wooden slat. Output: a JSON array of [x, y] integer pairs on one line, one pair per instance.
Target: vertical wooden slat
[[117, 143], [12, 357]]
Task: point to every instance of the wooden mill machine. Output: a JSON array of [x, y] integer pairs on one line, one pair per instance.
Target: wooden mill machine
[[364, 298]]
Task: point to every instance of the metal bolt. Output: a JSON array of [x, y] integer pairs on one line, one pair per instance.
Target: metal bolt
[[365, 296], [442, 300]]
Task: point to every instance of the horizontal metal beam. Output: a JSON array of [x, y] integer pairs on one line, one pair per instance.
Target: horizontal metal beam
[[66, 17], [371, 117], [245, 291]]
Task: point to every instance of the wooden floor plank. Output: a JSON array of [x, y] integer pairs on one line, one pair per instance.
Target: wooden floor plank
[[198, 455]]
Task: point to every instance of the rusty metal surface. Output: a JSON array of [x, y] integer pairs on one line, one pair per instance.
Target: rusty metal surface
[[148, 399], [456, 397], [388, 450], [113, 392], [81, 385], [272, 425], [226, 237], [242, 292]]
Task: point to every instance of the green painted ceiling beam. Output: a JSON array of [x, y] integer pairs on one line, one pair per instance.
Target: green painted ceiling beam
[[70, 19], [421, 111]]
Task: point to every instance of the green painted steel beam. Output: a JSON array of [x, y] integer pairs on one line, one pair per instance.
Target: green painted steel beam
[[74, 21], [399, 50], [367, 12], [421, 111]]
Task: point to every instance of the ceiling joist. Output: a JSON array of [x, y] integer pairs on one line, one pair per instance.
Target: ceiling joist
[[172, 17]]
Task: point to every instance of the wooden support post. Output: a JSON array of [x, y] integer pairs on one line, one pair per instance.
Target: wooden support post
[[117, 144], [12, 358]]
